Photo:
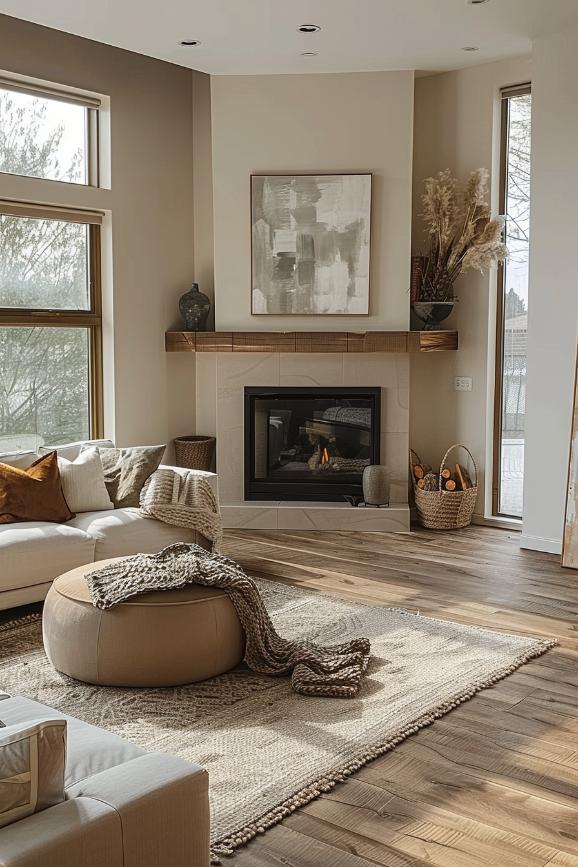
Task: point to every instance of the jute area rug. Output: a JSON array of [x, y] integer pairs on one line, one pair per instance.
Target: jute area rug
[[268, 750]]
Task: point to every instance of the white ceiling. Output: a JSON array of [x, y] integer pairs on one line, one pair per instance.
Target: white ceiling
[[260, 36]]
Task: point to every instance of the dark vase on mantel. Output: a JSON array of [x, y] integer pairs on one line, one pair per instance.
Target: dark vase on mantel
[[195, 308], [432, 313]]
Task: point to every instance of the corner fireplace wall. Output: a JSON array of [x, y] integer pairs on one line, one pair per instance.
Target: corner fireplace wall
[[220, 379], [309, 443]]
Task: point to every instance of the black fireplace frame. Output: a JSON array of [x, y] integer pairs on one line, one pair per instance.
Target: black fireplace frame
[[330, 490]]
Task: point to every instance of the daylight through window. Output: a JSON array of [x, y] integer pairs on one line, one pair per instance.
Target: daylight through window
[[46, 136], [50, 303], [513, 305]]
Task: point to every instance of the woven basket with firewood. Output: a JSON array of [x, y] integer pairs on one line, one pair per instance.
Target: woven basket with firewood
[[444, 500]]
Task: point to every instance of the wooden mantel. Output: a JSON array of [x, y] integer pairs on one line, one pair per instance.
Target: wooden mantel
[[311, 341]]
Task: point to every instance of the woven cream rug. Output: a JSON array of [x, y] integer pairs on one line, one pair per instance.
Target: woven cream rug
[[267, 749]]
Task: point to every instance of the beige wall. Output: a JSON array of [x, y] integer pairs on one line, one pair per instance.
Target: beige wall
[[203, 186], [293, 123], [150, 209], [553, 296], [456, 127]]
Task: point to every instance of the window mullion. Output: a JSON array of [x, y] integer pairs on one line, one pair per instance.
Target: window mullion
[[64, 319]]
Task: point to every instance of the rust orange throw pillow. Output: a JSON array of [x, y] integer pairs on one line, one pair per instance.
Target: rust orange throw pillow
[[34, 494]]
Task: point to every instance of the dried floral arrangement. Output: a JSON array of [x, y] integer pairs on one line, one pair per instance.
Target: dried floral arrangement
[[461, 232]]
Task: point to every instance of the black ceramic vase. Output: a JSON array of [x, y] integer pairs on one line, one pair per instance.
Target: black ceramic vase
[[432, 313], [195, 308]]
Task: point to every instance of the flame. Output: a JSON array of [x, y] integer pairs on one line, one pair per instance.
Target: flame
[[324, 456]]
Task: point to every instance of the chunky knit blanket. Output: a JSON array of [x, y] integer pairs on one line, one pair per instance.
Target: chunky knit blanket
[[335, 670], [183, 500]]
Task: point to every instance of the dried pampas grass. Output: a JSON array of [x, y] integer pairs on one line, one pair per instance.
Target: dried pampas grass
[[462, 234]]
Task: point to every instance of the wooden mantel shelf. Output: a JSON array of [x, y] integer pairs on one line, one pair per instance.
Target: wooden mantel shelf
[[311, 341]]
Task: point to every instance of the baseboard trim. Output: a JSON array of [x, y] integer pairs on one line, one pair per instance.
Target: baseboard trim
[[539, 543]]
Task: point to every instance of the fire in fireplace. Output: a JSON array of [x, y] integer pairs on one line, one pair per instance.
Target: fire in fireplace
[[309, 443]]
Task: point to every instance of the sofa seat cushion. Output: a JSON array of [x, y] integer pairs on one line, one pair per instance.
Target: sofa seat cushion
[[89, 749], [121, 532], [34, 552]]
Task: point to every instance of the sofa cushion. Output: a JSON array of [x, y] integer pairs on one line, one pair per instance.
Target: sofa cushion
[[90, 749], [120, 532], [32, 494], [126, 471], [71, 451], [83, 482], [32, 759], [34, 552], [22, 460]]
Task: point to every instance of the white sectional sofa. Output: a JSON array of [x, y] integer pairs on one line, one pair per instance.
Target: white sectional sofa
[[123, 807], [34, 553]]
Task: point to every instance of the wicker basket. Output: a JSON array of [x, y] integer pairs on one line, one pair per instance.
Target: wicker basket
[[441, 509], [195, 452]]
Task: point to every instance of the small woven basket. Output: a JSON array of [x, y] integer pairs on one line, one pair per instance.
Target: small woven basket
[[194, 452], [441, 509]]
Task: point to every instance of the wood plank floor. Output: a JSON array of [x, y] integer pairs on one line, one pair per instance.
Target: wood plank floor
[[495, 782]]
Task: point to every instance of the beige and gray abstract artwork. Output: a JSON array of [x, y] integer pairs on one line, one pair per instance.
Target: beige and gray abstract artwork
[[310, 244]]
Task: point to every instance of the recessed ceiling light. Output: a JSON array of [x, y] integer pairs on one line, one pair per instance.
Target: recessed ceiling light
[[309, 28], [309, 53], [470, 48], [189, 42], [475, 2]]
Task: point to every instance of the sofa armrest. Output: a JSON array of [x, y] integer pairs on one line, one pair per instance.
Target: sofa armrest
[[211, 478], [82, 831], [163, 805]]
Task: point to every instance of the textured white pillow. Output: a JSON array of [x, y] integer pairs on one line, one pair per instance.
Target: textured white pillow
[[83, 482]]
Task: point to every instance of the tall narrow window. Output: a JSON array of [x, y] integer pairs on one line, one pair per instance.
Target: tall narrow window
[[512, 306]]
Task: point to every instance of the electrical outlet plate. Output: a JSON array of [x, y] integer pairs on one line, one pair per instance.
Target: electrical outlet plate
[[463, 383]]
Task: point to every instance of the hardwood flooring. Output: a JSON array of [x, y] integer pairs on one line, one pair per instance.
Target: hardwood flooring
[[494, 782]]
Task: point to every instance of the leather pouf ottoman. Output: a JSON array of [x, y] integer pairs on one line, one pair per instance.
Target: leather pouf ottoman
[[165, 638]]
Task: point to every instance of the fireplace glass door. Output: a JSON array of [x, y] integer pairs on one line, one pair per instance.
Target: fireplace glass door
[[309, 443]]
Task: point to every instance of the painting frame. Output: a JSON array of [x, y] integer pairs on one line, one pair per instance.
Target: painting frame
[[569, 559], [368, 177]]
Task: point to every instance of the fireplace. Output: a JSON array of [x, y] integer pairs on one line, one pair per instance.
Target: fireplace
[[309, 443]]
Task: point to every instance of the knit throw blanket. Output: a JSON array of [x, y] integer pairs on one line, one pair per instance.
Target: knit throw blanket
[[184, 501], [334, 671]]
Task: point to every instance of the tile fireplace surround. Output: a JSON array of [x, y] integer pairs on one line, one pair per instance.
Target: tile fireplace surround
[[220, 382]]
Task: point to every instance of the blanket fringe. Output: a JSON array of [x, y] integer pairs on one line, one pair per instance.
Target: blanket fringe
[[227, 846]]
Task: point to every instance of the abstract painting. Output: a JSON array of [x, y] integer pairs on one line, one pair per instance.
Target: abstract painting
[[570, 542], [310, 244]]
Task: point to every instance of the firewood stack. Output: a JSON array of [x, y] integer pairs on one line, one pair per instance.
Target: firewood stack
[[444, 500], [427, 480]]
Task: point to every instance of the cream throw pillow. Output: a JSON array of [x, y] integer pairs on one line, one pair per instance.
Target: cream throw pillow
[[83, 482], [32, 761]]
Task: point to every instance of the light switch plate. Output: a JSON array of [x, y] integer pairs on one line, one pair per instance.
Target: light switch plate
[[463, 383]]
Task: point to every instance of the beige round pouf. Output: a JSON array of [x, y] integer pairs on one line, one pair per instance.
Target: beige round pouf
[[165, 638]]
